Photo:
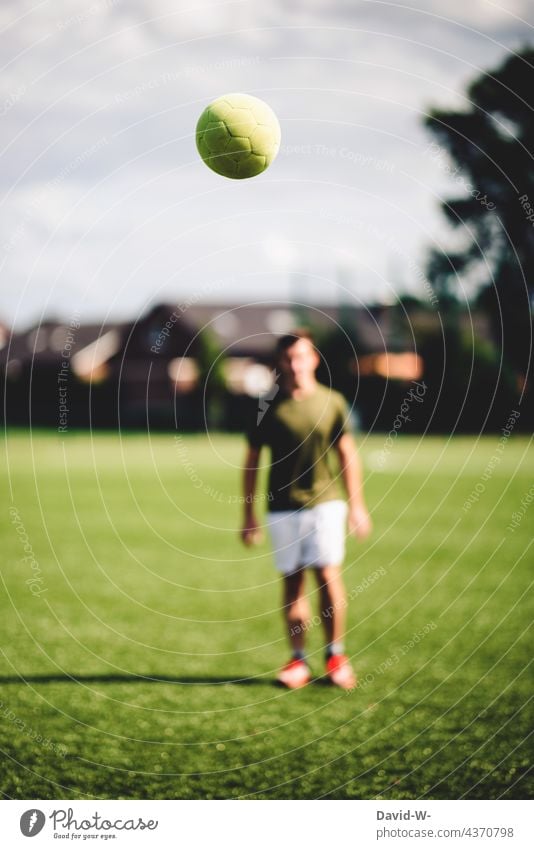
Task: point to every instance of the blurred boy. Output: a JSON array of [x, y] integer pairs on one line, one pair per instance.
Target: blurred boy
[[307, 518]]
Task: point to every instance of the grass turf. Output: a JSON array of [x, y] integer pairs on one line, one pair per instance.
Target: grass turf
[[139, 640]]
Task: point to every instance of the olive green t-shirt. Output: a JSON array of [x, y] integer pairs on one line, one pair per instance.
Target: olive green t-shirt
[[300, 434]]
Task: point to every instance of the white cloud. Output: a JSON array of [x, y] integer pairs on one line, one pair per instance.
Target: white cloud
[[103, 132]]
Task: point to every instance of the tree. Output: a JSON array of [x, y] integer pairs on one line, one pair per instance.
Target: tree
[[212, 382], [491, 145]]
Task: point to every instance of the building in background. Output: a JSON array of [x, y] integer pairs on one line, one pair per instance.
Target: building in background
[[205, 365]]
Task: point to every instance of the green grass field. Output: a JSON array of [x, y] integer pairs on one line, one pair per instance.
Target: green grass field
[[139, 639]]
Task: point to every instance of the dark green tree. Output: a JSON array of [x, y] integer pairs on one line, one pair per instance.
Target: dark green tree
[[489, 149], [212, 383]]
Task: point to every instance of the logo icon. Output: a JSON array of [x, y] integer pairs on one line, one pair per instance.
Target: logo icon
[[264, 401], [32, 822]]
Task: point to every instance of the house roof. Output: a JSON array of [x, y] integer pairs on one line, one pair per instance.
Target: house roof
[[246, 330], [50, 341]]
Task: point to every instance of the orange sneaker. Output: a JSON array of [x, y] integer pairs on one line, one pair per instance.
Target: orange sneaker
[[340, 672], [294, 674]]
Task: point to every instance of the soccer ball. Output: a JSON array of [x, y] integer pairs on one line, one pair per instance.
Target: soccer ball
[[238, 136]]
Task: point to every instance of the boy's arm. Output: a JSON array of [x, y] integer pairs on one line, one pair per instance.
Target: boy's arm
[[351, 469], [250, 532]]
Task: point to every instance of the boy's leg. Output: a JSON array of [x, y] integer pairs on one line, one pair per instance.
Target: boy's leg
[[333, 606], [332, 602], [296, 610]]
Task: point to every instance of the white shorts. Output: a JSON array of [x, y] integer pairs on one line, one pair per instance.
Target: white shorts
[[313, 536]]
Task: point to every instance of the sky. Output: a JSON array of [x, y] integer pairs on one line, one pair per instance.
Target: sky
[[106, 208]]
